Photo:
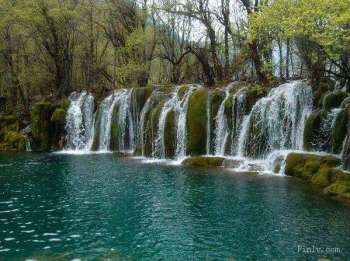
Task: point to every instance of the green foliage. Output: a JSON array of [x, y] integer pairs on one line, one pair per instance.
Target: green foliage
[[325, 22]]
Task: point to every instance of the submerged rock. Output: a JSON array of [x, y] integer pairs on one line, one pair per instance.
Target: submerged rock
[[320, 171], [203, 161]]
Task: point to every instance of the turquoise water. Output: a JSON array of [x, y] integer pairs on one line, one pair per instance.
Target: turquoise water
[[91, 207]]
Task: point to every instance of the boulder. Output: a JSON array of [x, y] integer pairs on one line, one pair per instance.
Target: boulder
[[321, 171]]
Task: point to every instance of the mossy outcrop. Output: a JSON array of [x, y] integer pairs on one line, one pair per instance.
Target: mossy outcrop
[[14, 141], [170, 135], [204, 162], [254, 93], [320, 171], [42, 129], [47, 121], [197, 123], [10, 137], [339, 131], [333, 100], [312, 131]]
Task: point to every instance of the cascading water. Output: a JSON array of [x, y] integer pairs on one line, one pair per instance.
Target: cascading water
[[126, 123], [181, 109], [159, 151], [221, 130], [277, 121], [80, 122], [208, 124], [238, 114], [142, 123]]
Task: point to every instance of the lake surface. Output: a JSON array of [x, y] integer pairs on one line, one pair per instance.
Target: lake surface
[[102, 206]]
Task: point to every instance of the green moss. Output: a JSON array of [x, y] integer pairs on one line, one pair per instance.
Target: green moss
[[339, 189], [333, 100], [6, 120], [320, 171], [254, 93], [59, 115], [15, 141], [339, 131], [182, 91], [312, 129], [96, 141], [170, 135], [197, 123], [205, 162], [41, 126], [151, 125], [323, 177], [306, 165]]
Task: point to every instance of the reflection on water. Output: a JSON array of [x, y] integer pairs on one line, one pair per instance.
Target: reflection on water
[[104, 206]]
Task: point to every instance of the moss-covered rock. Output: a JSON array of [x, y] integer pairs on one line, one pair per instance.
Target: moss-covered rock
[[197, 123], [42, 129], [182, 91], [58, 120], [96, 140], [339, 131], [306, 165], [205, 162], [320, 87], [333, 100], [170, 135], [339, 189], [320, 171], [254, 93], [6, 120], [15, 141], [312, 131]]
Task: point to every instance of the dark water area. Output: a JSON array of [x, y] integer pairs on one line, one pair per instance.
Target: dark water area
[[102, 206]]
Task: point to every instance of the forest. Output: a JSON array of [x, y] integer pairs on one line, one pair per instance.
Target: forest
[[49, 48]]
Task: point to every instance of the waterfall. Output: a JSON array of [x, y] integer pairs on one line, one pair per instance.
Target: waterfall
[[118, 103], [277, 121], [243, 136], [238, 114], [208, 124], [80, 121], [126, 137], [181, 108], [327, 124], [142, 123], [221, 130], [159, 151]]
